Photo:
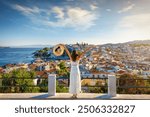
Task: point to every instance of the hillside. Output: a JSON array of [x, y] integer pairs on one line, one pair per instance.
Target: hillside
[[139, 42]]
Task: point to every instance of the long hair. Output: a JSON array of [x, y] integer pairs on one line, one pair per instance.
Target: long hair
[[74, 55]]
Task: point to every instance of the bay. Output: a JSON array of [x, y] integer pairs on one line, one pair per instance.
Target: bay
[[16, 55]]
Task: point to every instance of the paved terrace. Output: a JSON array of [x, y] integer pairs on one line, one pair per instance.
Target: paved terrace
[[67, 96]]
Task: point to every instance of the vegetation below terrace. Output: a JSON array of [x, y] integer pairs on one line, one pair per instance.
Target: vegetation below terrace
[[22, 81]]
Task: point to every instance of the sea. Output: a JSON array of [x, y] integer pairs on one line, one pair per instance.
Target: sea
[[16, 55]]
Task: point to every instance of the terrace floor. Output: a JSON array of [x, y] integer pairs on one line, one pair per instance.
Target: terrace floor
[[67, 96]]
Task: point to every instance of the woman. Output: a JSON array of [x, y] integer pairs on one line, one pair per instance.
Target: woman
[[75, 78]]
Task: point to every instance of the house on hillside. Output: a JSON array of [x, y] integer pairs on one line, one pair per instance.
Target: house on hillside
[[146, 73], [1, 70], [95, 75]]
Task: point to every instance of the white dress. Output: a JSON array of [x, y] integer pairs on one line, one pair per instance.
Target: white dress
[[75, 78]]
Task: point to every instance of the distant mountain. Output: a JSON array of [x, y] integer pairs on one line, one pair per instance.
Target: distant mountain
[[107, 44], [130, 42], [4, 47], [32, 46], [139, 42]]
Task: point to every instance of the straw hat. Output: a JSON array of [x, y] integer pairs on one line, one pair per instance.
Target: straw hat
[[58, 50]]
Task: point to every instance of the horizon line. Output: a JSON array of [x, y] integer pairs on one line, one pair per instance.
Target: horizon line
[[72, 43]]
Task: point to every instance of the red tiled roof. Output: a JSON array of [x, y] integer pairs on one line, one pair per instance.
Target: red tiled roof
[[121, 72], [99, 72], [10, 65], [52, 70], [1, 70]]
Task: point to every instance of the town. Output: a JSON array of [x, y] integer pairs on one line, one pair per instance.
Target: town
[[99, 62]]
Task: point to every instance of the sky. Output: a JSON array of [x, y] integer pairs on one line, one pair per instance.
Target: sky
[[40, 22]]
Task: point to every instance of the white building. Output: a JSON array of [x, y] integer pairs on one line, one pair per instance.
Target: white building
[[147, 73]]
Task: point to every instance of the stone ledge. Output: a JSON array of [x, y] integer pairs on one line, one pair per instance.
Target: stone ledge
[[68, 96]]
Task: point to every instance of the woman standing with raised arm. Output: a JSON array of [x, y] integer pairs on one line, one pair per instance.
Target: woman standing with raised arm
[[75, 77]]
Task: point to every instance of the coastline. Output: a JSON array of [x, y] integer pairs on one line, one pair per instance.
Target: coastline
[[4, 47], [16, 55]]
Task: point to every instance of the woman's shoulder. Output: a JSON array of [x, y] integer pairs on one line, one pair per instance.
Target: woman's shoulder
[[77, 61]]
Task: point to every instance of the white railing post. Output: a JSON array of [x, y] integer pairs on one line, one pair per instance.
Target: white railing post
[[112, 85], [35, 81], [52, 84]]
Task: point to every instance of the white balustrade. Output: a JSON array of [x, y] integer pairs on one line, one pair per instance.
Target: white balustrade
[[112, 85], [52, 84]]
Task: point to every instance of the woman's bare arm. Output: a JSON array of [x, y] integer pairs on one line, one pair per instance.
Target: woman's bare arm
[[88, 49], [67, 51]]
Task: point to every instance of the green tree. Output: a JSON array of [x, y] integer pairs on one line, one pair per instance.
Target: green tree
[[7, 82], [63, 70], [61, 88], [46, 49], [1, 81], [43, 53], [19, 80], [43, 85], [94, 90], [24, 80]]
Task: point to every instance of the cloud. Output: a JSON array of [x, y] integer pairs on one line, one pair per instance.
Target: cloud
[[138, 21], [134, 27], [80, 18], [77, 18], [126, 8], [109, 10], [26, 10], [59, 12], [93, 7]]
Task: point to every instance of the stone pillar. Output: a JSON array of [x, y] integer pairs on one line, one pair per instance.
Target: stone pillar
[[35, 81], [112, 85], [52, 84]]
